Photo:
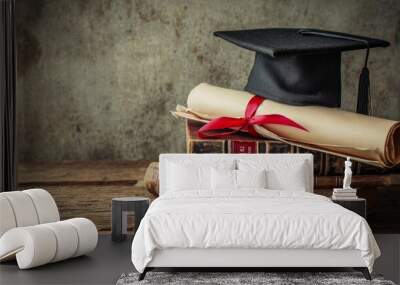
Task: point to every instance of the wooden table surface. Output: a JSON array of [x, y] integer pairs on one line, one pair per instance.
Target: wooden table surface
[[85, 188]]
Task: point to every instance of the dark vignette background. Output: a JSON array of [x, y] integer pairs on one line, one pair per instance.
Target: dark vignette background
[[96, 78]]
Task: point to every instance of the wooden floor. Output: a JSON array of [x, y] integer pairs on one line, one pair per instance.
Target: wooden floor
[[85, 188]]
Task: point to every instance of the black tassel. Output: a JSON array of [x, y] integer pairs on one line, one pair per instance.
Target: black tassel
[[363, 103], [363, 92]]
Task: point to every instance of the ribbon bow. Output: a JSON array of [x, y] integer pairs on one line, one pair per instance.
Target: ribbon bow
[[245, 124]]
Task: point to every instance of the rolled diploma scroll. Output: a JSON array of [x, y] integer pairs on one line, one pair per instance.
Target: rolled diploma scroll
[[372, 140]]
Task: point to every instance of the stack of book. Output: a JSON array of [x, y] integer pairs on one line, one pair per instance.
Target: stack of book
[[344, 194], [328, 168]]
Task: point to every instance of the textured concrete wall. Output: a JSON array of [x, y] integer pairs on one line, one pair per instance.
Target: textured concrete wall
[[96, 78]]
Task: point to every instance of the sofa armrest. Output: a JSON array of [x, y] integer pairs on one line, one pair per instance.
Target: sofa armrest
[[40, 244]]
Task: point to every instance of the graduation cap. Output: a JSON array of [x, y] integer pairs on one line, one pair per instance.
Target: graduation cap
[[302, 66]]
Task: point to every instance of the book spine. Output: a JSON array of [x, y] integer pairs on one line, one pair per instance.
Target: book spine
[[358, 181], [258, 146], [278, 147], [237, 146], [206, 146], [319, 159], [332, 165], [200, 145], [345, 194], [344, 191], [344, 198]]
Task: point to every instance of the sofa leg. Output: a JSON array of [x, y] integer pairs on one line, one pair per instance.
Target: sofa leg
[[364, 271], [142, 275]]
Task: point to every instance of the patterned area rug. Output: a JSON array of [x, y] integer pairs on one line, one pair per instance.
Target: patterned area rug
[[243, 278]]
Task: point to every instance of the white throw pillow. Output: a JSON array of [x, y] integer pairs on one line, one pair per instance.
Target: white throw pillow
[[281, 175], [294, 180], [190, 172], [251, 178], [182, 177], [226, 179], [223, 179]]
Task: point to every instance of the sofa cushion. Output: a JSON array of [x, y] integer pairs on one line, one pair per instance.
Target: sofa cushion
[[26, 208], [23, 208], [41, 244], [7, 220], [45, 205]]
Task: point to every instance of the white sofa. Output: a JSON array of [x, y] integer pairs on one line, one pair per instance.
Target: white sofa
[[31, 230]]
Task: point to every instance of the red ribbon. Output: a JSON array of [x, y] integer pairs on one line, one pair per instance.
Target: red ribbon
[[246, 123]]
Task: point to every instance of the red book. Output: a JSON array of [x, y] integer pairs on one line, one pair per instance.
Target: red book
[[243, 146]]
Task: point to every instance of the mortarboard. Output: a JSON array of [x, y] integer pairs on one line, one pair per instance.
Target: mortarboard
[[302, 66]]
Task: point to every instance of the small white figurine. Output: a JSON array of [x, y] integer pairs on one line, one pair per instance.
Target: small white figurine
[[347, 174]]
